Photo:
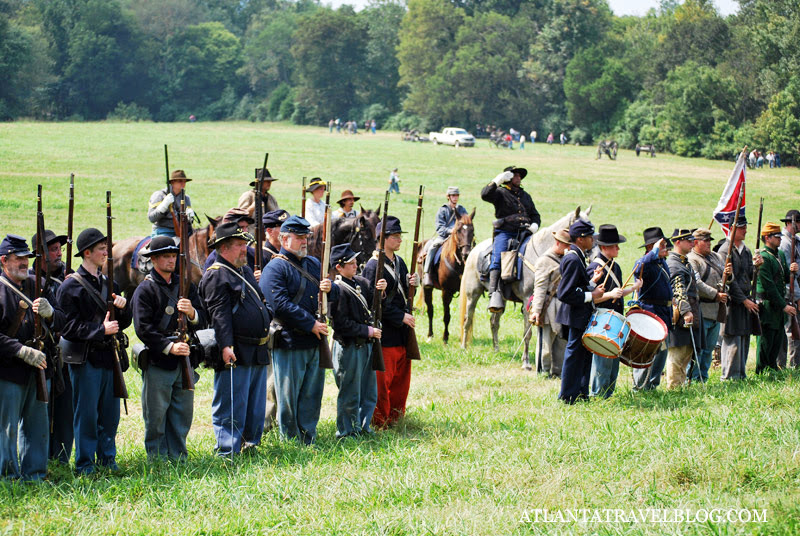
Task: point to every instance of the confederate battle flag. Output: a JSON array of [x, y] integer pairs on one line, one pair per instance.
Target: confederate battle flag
[[726, 207]]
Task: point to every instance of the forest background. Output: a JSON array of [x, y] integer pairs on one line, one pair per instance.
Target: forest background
[[682, 76]]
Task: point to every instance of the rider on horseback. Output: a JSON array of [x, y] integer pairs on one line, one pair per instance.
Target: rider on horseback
[[165, 205], [516, 216], [446, 219], [346, 203]]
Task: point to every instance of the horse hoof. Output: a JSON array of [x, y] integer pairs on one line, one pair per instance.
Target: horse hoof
[[527, 366]]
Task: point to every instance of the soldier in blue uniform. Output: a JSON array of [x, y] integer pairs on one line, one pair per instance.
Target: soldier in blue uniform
[[446, 219], [352, 367], [291, 284], [515, 215], [577, 293], [240, 317], [167, 408], [82, 297], [655, 297], [240, 217], [61, 436], [23, 418]]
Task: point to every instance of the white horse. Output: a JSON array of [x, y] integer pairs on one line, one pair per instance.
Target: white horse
[[472, 287]]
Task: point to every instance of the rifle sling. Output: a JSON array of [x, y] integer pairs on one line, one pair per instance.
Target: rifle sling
[[27, 300], [172, 301]]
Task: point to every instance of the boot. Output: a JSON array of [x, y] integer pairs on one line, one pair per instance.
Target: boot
[[496, 301], [427, 280]]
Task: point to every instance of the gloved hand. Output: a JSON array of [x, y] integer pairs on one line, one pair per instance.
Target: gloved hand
[[533, 227], [503, 178], [163, 207], [31, 356], [190, 214], [44, 308]]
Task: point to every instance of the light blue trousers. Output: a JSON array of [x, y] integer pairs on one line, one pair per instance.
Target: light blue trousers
[[248, 409], [358, 388], [24, 438], [96, 417], [299, 383]]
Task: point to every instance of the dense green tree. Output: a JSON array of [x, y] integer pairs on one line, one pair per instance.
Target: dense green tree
[[382, 18], [267, 57], [778, 128]]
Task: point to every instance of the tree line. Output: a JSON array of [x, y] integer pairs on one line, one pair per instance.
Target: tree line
[[682, 77]]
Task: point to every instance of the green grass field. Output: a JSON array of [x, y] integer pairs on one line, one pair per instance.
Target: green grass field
[[484, 444]]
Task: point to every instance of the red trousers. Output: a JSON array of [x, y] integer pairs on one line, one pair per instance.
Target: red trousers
[[392, 387]]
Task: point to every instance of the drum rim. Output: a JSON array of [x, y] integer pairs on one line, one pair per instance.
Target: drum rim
[[633, 333], [603, 337]]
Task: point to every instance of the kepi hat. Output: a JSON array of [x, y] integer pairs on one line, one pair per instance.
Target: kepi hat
[[702, 234], [682, 234], [392, 226], [296, 225], [342, 254], [580, 228], [453, 190], [770, 229], [793, 212], [15, 245], [274, 218], [236, 215]]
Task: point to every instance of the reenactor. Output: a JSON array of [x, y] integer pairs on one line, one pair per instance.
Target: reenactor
[[23, 417], [315, 205], [291, 283], [346, 203], [83, 298], [686, 333], [788, 236], [446, 219], [240, 217], [240, 317], [247, 201], [394, 382], [164, 205], [167, 408], [352, 323], [61, 435]]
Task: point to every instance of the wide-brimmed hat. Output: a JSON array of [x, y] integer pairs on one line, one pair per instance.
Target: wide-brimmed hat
[[792, 212], [682, 234], [49, 238], [179, 174], [770, 229], [88, 238], [347, 194], [607, 235], [562, 235], [15, 245], [392, 226], [267, 177], [652, 235], [453, 190], [315, 183], [237, 214], [296, 225], [274, 218], [159, 245], [342, 254], [227, 231], [514, 169]]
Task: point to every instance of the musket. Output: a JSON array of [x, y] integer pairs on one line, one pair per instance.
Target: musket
[[412, 346], [175, 218], [325, 361], [18, 319], [70, 219], [258, 214], [755, 319], [377, 301], [795, 328], [38, 329], [120, 389], [303, 200], [166, 164], [187, 373], [722, 312]]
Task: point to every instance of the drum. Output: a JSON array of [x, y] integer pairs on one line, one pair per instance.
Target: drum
[[647, 333], [606, 333]]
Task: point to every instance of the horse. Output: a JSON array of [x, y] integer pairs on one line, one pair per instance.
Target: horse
[[609, 147], [359, 232], [129, 277], [455, 251], [472, 287]]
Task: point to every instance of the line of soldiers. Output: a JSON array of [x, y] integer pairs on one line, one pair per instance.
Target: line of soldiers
[[678, 280], [261, 321]]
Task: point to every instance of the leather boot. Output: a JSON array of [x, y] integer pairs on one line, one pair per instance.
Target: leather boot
[[496, 301], [427, 280]]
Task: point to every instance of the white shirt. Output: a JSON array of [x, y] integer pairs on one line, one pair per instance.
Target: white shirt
[[315, 211]]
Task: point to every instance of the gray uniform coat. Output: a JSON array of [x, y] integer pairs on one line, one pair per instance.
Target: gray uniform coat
[[738, 321]]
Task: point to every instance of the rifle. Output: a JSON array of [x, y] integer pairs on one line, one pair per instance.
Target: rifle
[[38, 329], [120, 389], [303, 200], [795, 328], [187, 373], [755, 319], [175, 218], [722, 311], [377, 302], [259, 214], [412, 346], [70, 213], [325, 361]]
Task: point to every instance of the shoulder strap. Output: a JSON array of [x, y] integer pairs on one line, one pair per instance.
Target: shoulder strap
[[350, 290], [387, 267], [18, 292], [237, 274], [172, 301], [98, 298], [297, 267]]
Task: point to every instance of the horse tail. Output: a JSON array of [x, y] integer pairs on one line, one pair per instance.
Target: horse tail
[[462, 314]]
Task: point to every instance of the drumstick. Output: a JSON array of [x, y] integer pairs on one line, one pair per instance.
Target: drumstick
[[631, 275], [608, 273]]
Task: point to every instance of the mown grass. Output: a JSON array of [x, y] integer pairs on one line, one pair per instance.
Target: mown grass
[[483, 441]]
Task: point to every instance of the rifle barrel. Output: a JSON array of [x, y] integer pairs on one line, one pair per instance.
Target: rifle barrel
[[120, 389]]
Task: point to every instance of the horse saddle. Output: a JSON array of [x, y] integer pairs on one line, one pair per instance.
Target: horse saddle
[[485, 260], [142, 263]]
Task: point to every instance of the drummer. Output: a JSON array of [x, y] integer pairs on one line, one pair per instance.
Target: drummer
[[655, 297], [603, 378]]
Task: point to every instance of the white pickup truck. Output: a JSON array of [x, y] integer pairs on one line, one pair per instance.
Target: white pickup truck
[[457, 137]]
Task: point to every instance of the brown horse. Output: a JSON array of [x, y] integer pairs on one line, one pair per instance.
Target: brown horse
[[359, 232], [455, 251], [129, 276]]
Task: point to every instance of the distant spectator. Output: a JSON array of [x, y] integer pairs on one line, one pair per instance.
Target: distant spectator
[[777, 160], [509, 141], [373, 125], [550, 138], [562, 139], [752, 158], [192, 118], [533, 137], [760, 161], [771, 159], [331, 124], [394, 182], [522, 142], [338, 125]]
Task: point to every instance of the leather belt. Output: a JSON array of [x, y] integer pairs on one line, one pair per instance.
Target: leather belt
[[663, 303], [252, 341]]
